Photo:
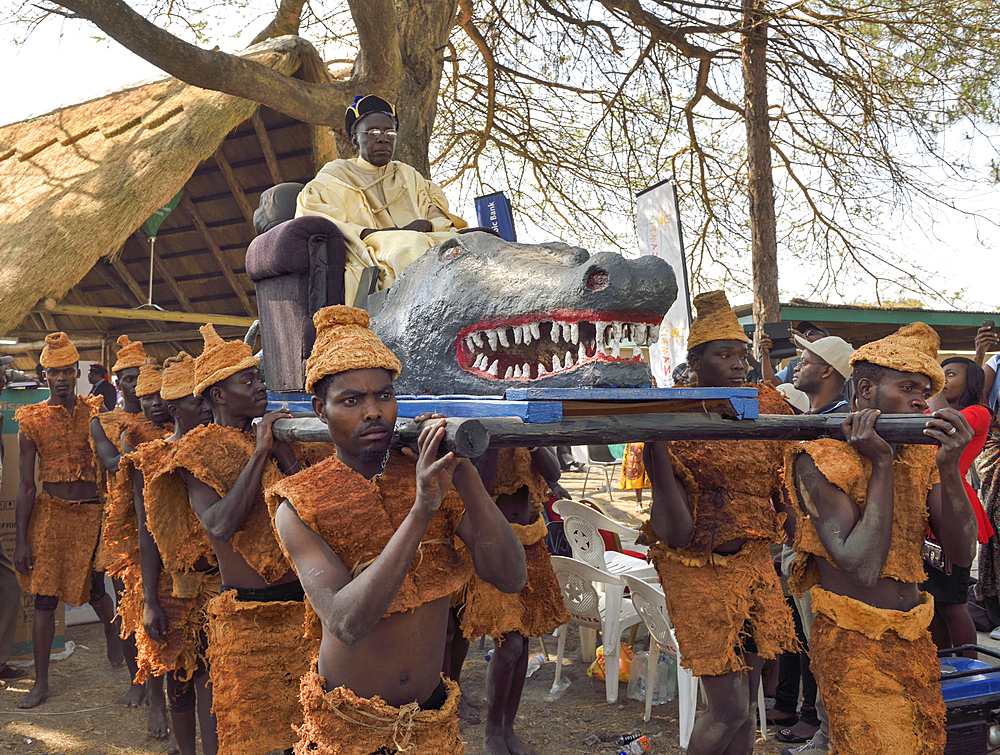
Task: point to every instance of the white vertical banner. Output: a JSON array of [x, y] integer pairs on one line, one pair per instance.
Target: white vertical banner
[[658, 227]]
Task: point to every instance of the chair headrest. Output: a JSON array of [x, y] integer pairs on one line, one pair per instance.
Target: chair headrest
[[277, 205]]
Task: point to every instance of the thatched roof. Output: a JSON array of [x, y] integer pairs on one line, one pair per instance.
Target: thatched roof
[[76, 184]]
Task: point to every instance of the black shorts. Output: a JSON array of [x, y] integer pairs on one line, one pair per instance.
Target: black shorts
[[947, 588]]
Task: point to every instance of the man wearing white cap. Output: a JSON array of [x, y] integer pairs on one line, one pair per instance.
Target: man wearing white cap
[[822, 371]]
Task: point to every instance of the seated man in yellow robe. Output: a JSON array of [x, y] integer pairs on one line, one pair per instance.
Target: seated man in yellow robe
[[388, 213]]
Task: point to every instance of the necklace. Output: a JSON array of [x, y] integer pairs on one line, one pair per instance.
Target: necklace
[[385, 460]]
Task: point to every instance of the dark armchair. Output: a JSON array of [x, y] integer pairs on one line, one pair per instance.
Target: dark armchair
[[297, 267]]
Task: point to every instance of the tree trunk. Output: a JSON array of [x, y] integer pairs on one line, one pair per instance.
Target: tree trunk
[[764, 245]]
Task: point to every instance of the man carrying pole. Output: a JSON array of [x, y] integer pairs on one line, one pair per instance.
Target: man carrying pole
[[712, 521]]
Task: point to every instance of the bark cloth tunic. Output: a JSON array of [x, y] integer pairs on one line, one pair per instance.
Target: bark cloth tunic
[[714, 600], [257, 651], [183, 592], [357, 518], [111, 423], [120, 537], [63, 535], [539, 607], [877, 669]]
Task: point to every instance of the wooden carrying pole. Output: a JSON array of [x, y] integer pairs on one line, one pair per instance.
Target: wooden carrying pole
[[471, 437]]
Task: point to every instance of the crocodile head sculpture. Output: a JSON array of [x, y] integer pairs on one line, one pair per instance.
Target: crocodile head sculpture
[[478, 315]]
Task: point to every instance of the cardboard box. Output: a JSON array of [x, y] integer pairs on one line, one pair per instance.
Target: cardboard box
[[10, 400]]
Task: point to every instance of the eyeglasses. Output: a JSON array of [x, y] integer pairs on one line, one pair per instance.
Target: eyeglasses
[[375, 133]]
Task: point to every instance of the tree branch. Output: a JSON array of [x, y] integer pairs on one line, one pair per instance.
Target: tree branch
[[320, 104], [286, 21]]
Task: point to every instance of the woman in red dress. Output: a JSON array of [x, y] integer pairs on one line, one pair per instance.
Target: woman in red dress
[[963, 390]]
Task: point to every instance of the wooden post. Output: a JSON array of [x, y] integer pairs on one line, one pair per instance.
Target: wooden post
[[471, 437]]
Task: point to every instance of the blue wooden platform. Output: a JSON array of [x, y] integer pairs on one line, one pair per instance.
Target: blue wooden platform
[[743, 400], [539, 405], [532, 412]]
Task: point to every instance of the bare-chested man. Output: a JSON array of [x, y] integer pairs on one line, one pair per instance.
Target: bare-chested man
[[863, 508], [58, 527], [372, 535], [225, 466], [713, 510], [178, 569]]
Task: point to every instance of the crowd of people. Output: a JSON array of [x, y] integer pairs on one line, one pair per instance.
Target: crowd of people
[[320, 597]]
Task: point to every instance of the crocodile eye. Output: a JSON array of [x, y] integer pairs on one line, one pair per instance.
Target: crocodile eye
[[451, 254]]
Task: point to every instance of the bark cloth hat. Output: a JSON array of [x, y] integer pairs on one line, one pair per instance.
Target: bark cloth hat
[[912, 348], [59, 351], [150, 378], [131, 354], [220, 359], [345, 342], [716, 320], [365, 104], [178, 377]]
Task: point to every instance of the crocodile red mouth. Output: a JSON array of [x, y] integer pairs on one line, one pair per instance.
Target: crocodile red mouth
[[529, 347]]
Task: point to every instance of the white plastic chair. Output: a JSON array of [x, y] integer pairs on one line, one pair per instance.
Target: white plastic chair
[[652, 608], [596, 457], [590, 610], [581, 524]]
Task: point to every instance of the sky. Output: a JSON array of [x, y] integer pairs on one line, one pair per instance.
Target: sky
[[63, 63]]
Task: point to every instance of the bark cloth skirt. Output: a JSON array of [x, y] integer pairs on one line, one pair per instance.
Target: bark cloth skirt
[[257, 656], [878, 674], [63, 537], [186, 618], [713, 606], [339, 722], [537, 609]]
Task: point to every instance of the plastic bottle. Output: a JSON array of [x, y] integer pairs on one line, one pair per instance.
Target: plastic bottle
[[535, 662], [638, 747], [627, 738]]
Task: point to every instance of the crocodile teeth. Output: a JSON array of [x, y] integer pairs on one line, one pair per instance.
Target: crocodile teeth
[[569, 359], [509, 373], [518, 335], [541, 369], [617, 325], [581, 354], [574, 332], [525, 334], [491, 335], [567, 332], [494, 369], [526, 371], [469, 344], [555, 331], [536, 331], [616, 349], [480, 362], [639, 331], [556, 365], [654, 333], [502, 335]]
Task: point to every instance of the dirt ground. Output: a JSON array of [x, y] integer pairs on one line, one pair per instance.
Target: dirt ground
[[81, 717]]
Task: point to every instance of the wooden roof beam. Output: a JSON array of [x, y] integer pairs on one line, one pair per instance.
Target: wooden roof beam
[[150, 315], [234, 186], [266, 147], [227, 271]]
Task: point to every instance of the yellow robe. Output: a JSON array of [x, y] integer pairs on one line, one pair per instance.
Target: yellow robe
[[355, 195]]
